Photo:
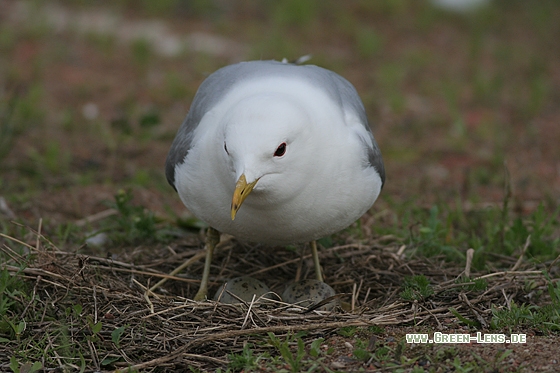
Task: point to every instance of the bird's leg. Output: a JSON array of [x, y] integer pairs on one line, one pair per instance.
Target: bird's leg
[[316, 263], [212, 239]]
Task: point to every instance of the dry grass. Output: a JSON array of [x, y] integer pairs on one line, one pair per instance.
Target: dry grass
[[451, 98], [170, 331]]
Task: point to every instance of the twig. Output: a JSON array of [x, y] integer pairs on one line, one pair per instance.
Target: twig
[[150, 304], [56, 355], [520, 259], [354, 296], [469, 258], [359, 289], [508, 301], [94, 356], [553, 263], [32, 298], [303, 257], [473, 310], [169, 310], [201, 254], [153, 274], [39, 236], [206, 358], [432, 315], [16, 240], [98, 216], [505, 273], [38, 242], [366, 296], [307, 256], [33, 271], [94, 304], [12, 254], [248, 312], [235, 333]]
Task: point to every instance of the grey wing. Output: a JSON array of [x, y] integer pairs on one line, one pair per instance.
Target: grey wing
[[350, 100], [214, 88], [180, 148], [209, 94], [374, 155]]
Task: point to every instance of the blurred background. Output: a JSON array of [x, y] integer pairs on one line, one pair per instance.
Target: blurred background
[[463, 96]]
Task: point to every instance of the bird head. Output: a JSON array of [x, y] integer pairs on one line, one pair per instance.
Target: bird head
[[264, 142]]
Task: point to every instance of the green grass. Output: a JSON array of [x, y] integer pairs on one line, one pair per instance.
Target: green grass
[[284, 354], [246, 360], [544, 318], [416, 288], [20, 111], [494, 66], [296, 352], [13, 294], [142, 52], [133, 224], [63, 342], [444, 230], [478, 284]]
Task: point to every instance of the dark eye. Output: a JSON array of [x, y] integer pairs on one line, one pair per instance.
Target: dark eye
[[281, 150], [225, 148]]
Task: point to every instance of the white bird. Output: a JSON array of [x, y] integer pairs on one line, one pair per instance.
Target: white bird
[[275, 153]]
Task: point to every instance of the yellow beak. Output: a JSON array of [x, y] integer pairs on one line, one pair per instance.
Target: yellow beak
[[242, 190]]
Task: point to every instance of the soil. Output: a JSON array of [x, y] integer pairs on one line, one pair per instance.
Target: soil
[[445, 138]]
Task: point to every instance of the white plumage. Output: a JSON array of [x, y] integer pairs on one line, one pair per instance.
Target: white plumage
[[296, 142]]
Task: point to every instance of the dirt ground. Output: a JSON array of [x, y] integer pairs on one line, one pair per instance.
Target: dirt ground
[[460, 105]]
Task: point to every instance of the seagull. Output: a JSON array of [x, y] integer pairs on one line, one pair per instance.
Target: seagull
[[275, 153]]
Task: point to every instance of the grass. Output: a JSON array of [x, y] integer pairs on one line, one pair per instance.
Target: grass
[[446, 231], [291, 353], [20, 111], [544, 318], [133, 224], [416, 288], [436, 85], [73, 326]]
